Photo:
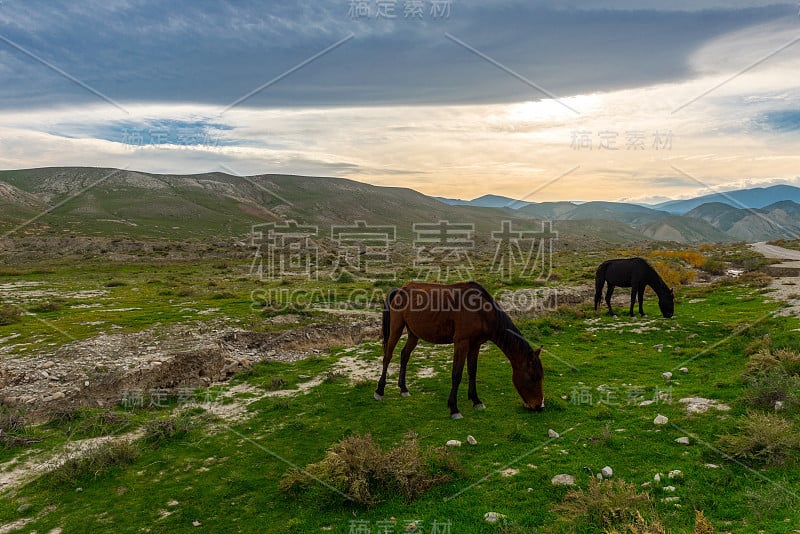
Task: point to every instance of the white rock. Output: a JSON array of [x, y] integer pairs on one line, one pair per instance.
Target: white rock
[[684, 370], [712, 466], [453, 443], [599, 476], [510, 472], [493, 517], [778, 405], [670, 499], [471, 440], [657, 478], [660, 420], [696, 405], [563, 480], [553, 434], [683, 440], [607, 472], [669, 488], [675, 473], [666, 376]]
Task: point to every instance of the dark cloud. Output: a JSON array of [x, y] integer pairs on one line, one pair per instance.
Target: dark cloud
[[215, 52]]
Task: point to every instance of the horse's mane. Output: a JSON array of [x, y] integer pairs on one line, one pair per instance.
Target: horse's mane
[[658, 283], [504, 332]]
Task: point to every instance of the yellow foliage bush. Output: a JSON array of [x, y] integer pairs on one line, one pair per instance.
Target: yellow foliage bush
[[674, 275]]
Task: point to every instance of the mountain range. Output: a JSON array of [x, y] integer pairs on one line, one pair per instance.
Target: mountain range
[[119, 203]]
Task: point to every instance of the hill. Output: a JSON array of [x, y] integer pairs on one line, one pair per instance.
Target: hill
[[487, 201], [94, 201], [683, 229], [757, 197], [613, 211], [781, 219], [114, 203]]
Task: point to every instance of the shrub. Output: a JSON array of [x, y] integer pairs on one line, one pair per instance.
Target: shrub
[[755, 279], [95, 461], [771, 386], [673, 274], [714, 266], [785, 361], [764, 438], [360, 471], [9, 314], [49, 306], [159, 430], [604, 504], [695, 259], [639, 526], [701, 524], [116, 283], [13, 428]]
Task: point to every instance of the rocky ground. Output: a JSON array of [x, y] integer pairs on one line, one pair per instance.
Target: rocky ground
[[99, 371]]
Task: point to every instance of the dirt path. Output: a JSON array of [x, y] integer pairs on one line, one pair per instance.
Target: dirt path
[[776, 252], [784, 288]]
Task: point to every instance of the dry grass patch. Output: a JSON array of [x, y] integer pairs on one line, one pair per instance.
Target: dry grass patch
[[362, 472], [765, 438], [606, 504]]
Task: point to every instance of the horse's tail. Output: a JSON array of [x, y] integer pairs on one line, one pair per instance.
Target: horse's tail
[[386, 317], [599, 282]]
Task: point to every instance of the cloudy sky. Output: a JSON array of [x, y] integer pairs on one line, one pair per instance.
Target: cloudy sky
[[611, 100]]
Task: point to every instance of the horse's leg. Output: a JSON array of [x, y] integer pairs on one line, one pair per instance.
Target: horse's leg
[[610, 292], [460, 350], [405, 355], [598, 293], [634, 291], [641, 299], [472, 369], [395, 331]]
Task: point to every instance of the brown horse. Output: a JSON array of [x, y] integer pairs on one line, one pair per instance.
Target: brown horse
[[466, 315]]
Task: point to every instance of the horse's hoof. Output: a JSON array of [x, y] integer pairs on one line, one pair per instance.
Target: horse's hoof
[[377, 397], [456, 416], [405, 394], [480, 406]]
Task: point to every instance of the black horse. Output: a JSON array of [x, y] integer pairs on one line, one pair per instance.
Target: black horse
[[636, 274]]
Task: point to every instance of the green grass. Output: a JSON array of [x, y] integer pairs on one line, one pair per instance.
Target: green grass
[[597, 369]]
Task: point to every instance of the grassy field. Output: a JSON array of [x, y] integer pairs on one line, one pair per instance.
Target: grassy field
[[188, 468]]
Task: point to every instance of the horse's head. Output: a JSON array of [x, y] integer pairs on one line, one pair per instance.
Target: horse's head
[[666, 303], [527, 377]]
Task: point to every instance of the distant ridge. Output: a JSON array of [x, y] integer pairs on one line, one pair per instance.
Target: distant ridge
[[778, 220], [113, 202], [757, 197], [487, 201]]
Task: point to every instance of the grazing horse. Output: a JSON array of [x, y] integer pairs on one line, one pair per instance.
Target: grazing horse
[[466, 315], [636, 274]]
